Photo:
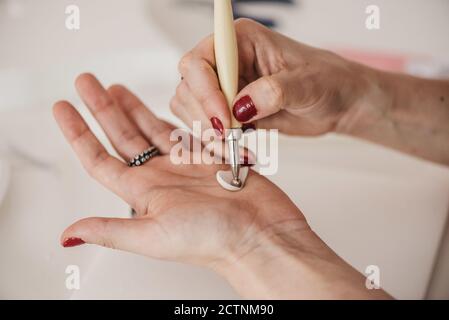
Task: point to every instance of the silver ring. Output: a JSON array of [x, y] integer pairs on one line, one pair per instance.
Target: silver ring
[[144, 157]]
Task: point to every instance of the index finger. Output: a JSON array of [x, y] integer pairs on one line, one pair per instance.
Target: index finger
[[198, 70]]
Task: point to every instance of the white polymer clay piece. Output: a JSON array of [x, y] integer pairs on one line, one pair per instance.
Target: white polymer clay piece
[[224, 178]]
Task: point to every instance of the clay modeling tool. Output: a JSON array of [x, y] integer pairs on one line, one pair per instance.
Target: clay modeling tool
[[226, 56]]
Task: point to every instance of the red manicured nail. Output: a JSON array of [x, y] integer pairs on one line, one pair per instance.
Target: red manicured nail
[[248, 126], [217, 125], [246, 162], [244, 109], [72, 242]]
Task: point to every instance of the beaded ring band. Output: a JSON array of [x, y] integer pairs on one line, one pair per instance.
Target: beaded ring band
[[144, 157]]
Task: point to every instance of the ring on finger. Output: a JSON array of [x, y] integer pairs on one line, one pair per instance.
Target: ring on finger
[[144, 157]]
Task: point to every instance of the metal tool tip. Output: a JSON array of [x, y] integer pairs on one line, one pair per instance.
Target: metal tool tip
[[236, 183]]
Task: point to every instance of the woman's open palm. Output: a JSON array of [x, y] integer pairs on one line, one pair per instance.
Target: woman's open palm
[[182, 212]]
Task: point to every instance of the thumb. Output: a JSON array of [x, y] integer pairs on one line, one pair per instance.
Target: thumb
[[133, 235], [259, 99], [268, 95]]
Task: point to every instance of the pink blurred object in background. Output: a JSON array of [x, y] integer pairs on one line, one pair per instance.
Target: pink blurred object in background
[[415, 65]]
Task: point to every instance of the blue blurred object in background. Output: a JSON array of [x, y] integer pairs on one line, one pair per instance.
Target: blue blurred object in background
[[267, 21]]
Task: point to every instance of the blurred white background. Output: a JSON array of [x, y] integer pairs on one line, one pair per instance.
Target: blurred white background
[[373, 206]]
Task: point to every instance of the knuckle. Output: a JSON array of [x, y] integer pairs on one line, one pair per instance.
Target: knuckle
[[181, 89], [204, 69], [174, 105], [185, 61], [277, 92], [204, 98], [128, 135], [244, 23], [103, 102], [97, 161]]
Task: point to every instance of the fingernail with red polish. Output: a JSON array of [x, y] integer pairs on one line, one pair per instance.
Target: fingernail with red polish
[[244, 109], [217, 125], [245, 162], [72, 242], [248, 126]]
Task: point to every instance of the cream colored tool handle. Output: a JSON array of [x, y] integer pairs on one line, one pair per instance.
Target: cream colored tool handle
[[226, 53]]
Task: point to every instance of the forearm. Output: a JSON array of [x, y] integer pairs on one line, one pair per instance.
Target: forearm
[[300, 268], [406, 113]]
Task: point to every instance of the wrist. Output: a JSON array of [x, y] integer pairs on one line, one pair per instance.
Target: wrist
[[371, 104], [260, 269], [293, 264], [402, 112]]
